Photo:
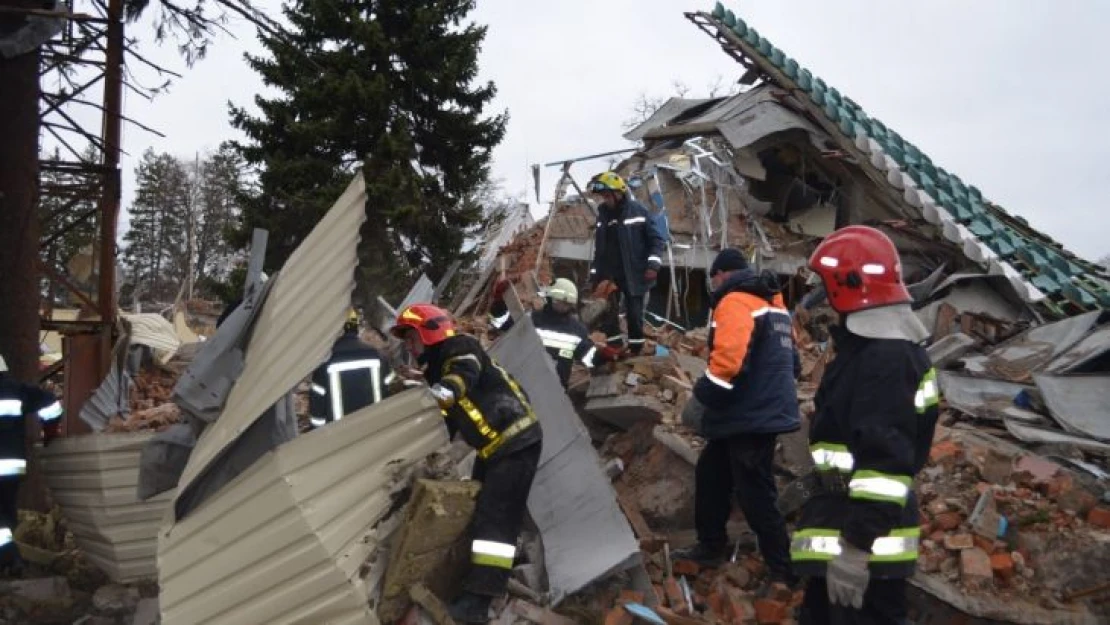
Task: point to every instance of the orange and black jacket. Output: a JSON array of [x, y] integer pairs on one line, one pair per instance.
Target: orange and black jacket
[[748, 387]]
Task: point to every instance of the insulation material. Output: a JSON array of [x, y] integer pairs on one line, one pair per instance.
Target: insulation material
[[1080, 403], [93, 478], [585, 534]]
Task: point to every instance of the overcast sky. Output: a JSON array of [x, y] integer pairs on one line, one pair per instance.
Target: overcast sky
[[1007, 94]]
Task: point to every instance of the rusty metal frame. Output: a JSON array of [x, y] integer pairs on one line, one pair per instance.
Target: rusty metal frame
[[78, 67]]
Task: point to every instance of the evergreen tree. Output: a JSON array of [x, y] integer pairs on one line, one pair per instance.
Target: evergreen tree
[[219, 187], [388, 86], [157, 239]]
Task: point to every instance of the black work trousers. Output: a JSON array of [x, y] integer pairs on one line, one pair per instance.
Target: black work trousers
[[884, 603], [498, 516], [743, 465], [634, 317], [9, 516]]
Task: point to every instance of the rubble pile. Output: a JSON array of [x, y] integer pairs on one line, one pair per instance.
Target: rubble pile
[[151, 408], [1000, 522]]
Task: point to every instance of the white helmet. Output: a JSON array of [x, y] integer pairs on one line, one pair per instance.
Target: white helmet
[[563, 291]]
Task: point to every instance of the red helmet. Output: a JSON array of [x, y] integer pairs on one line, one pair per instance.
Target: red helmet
[[860, 268], [432, 323]]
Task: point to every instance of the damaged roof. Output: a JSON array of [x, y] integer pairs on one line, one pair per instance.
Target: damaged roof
[[1041, 269]]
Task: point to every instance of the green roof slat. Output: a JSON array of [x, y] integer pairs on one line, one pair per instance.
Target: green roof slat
[[980, 228], [718, 10], [740, 28], [777, 57], [832, 111], [729, 19], [752, 37], [1046, 284], [805, 79], [790, 68], [765, 47], [973, 192]]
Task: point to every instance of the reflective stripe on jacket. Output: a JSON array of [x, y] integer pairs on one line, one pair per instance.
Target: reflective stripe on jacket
[[642, 243], [17, 402], [491, 410], [876, 414], [564, 337], [354, 377], [748, 386]]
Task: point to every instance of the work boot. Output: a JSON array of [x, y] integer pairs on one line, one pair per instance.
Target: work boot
[[704, 554], [470, 608]]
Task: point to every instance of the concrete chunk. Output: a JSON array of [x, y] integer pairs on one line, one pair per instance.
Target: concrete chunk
[[950, 349], [626, 411], [435, 521]]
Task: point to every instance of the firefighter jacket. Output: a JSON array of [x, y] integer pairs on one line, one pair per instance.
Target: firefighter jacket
[[564, 337], [748, 387], [642, 242], [354, 377], [876, 412], [491, 410], [18, 401]]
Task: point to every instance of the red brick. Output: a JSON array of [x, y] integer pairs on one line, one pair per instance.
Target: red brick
[[975, 567], [739, 609], [945, 452], [1002, 565], [938, 537], [1059, 484], [675, 599], [985, 544], [1077, 500], [780, 592], [618, 616], [630, 596], [1099, 517], [947, 521], [931, 560], [689, 568], [770, 612]]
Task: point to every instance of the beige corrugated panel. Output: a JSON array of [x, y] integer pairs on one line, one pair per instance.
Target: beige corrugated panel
[[283, 543], [295, 328], [93, 478], [154, 331]]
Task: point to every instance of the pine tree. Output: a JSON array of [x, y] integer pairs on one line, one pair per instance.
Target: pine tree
[[220, 186], [388, 86], [157, 238]]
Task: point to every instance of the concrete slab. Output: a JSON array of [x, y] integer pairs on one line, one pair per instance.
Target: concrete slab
[[950, 349], [627, 410]]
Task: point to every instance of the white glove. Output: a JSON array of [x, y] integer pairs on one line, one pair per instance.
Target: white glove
[[847, 576], [443, 395]]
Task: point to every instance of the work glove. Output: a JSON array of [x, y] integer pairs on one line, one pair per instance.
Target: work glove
[[847, 576], [692, 414], [609, 353], [499, 289], [445, 397], [650, 275]]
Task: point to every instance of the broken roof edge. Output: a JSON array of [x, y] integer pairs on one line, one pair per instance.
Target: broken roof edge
[[936, 194]]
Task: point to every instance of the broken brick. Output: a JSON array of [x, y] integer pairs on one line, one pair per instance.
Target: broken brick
[[947, 521], [945, 452], [1099, 517], [975, 567], [675, 599], [985, 544], [618, 616], [780, 592], [660, 594], [770, 611], [959, 542], [755, 566], [1002, 565], [1037, 469], [738, 609], [630, 596], [689, 568]]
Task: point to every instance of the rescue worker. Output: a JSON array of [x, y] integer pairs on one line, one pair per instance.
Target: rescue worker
[[858, 535], [355, 376], [564, 337], [745, 399], [489, 409], [18, 402], [628, 248]]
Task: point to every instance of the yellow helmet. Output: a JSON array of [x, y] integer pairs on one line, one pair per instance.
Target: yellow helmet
[[608, 181], [354, 320], [563, 291]]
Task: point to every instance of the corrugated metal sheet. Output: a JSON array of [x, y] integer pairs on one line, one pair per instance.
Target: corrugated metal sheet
[[284, 542], [295, 328], [93, 479], [154, 331]]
